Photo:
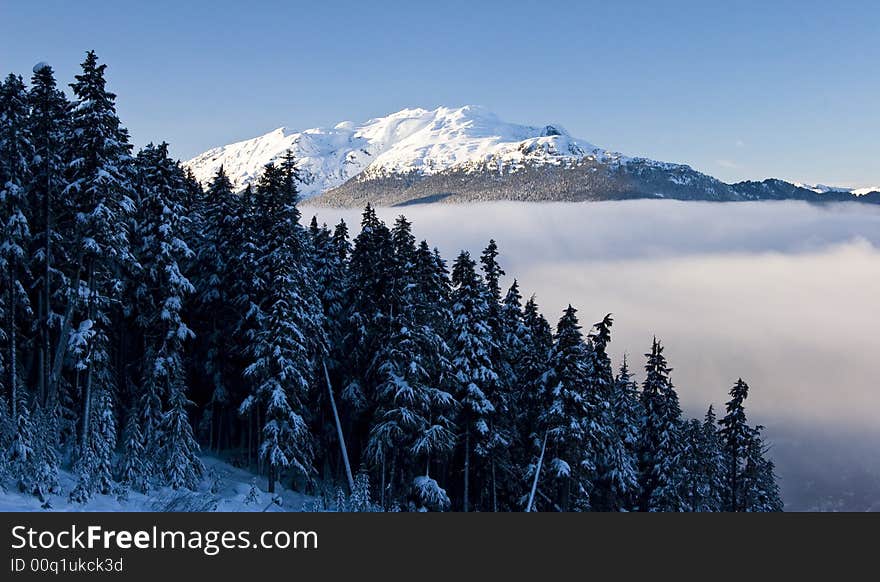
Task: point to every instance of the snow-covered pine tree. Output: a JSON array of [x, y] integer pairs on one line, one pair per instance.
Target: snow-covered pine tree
[[616, 467], [474, 379], [94, 462], [216, 281], [179, 452], [137, 468], [16, 153], [703, 465], [514, 333], [571, 448], [287, 329], [100, 192], [492, 273], [627, 417], [514, 343], [49, 129], [530, 394], [736, 436], [759, 486], [21, 456], [370, 279], [46, 451], [696, 491], [660, 448], [161, 293], [503, 425], [329, 253], [713, 463], [412, 422], [332, 280]]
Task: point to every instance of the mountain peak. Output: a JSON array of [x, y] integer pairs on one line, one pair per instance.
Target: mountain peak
[[412, 140]]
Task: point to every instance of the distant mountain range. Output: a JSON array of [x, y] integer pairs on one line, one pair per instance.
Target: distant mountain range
[[468, 154]]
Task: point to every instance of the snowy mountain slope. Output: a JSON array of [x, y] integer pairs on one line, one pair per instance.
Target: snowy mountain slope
[[467, 154], [824, 189], [411, 140]]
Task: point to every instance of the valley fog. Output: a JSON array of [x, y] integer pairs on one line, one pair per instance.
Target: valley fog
[[783, 294]]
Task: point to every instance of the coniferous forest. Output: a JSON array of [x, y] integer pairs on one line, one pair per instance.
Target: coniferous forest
[[149, 320]]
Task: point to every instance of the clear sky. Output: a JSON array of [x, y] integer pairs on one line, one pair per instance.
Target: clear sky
[[739, 90]]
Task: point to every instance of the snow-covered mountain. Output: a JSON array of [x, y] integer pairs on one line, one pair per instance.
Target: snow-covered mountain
[[468, 153], [825, 189], [409, 141]]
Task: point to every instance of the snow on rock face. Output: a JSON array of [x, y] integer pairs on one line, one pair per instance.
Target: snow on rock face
[[411, 140], [824, 189]]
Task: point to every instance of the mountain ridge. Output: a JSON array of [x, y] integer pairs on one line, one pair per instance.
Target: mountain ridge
[[468, 154]]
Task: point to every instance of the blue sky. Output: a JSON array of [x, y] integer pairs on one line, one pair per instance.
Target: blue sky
[[736, 89]]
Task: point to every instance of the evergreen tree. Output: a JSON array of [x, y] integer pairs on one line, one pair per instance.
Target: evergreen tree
[[571, 448], [16, 153], [660, 446], [21, 456], [161, 293], [473, 376], [93, 466], [713, 463], [287, 328], [616, 467], [181, 465], [736, 436], [49, 128], [370, 279], [136, 469], [412, 422], [216, 280], [100, 191], [492, 272], [759, 485], [627, 416], [46, 452]]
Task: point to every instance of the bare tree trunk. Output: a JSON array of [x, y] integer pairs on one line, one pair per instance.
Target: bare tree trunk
[[87, 386], [494, 490], [537, 475], [13, 335], [46, 295], [467, 467], [211, 427], [42, 350], [339, 430], [219, 431], [382, 484], [250, 438]]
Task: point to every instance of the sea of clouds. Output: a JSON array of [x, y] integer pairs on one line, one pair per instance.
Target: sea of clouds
[[782, 294]]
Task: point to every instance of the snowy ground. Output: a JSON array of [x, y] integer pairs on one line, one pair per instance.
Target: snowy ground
[[232, 487]]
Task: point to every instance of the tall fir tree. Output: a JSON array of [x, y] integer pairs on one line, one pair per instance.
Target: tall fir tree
[[100, 190], [566, 411], [287, 331], [16, 153], [474, 379], [413, 420], [161, 294], [660, 448], [627, 416], [736, 436], [616, 468], [759, 485], [50, 133]]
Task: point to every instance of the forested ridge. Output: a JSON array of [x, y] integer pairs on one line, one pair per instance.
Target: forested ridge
[[148, 319]]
